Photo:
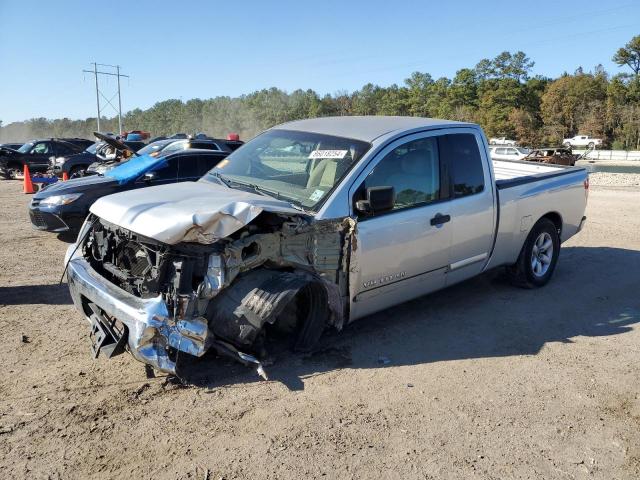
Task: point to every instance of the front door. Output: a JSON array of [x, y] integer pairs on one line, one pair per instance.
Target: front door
[[402, 253]]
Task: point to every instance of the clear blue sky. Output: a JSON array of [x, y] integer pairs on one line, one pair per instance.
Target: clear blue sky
[[204, 49]]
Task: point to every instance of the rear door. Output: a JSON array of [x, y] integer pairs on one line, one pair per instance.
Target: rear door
[[402, 253], [472, 202], [188, 169], [38, 158]]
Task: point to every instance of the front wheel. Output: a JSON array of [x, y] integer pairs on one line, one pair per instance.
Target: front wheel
[[14, 172], [567, 144], [538, 257], [592, 145]]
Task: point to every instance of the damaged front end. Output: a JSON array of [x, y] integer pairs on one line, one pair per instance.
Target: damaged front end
[[161, 300]]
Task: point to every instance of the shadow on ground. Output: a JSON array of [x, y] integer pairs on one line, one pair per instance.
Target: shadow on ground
[[35, 294], [594, 293]]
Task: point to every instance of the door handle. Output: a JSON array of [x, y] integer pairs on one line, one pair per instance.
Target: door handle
[[439, 219]]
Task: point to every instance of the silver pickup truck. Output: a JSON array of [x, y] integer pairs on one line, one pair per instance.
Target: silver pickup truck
[[313, 224]]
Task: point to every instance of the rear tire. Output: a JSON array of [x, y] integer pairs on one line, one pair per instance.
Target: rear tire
[[592, 145], [567, 144], [538, 257]]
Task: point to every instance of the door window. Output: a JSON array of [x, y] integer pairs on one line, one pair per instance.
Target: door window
[[62, 149], [41, 148], [207, 162], [460, 151], [412, 169], [188, 166], [166, 171]]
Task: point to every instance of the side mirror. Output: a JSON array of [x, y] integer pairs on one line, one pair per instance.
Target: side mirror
[[149, 177], [379, 199]]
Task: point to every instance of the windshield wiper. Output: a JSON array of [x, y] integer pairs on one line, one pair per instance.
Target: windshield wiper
[[259, 190], [219, 176]]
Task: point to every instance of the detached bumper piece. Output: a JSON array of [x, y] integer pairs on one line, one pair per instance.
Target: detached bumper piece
[[150, 334], [105, 336]]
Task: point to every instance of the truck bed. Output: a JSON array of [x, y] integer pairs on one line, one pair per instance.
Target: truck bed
[[510, 173], [526, 191]]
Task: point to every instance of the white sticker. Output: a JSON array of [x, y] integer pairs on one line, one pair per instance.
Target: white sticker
[[317, 195], [328, 154]]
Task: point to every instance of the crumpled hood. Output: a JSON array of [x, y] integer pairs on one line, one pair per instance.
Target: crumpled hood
[[200, 212]]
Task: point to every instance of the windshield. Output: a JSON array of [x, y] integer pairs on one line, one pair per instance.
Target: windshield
[[524, 151], [26, 148], [153, 147], [300, 167], [92, 148], [175, 146]]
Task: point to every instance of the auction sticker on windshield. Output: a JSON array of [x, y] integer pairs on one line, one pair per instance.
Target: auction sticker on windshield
[[328, 154], [317, 195]]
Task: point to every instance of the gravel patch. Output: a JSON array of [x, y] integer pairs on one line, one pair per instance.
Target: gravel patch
[[606, 179]]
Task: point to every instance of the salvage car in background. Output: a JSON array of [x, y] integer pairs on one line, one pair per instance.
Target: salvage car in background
[[63, 206], [75, 165], [163, 147], [508, 153], [553, 155], [313, 224], [37, 154]]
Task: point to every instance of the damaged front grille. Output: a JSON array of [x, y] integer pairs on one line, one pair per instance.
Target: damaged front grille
[[133, 258], [135, 264]]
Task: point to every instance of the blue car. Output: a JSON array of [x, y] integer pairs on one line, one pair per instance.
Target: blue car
[[63, 206]]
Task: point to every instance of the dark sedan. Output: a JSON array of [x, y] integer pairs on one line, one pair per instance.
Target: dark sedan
[[37, 154], [63, 206]]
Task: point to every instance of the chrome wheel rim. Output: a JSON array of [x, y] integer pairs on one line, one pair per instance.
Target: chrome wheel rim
[[542, 254]]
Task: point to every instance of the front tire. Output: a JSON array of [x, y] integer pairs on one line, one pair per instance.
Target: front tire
[[538, 257], [592, 145], [567, 144]]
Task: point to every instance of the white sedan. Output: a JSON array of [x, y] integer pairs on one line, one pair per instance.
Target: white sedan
[[508, 153]]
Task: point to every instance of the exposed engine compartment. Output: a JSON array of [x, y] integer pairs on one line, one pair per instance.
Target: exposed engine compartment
[[279, 267]]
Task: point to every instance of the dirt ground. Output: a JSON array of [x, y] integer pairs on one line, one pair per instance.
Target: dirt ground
[[481, 380]]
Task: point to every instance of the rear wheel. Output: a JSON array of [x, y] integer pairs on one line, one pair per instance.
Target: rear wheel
[[567, 144], [591, 144], [538, 258]]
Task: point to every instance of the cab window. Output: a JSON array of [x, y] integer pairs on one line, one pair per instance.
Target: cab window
[[413, 170], [460, 151]]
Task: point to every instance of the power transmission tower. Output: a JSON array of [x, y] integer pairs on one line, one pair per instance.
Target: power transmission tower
[[96, 73]]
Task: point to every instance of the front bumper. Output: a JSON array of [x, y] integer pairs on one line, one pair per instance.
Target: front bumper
[[47, 221], [151, 332], [56, 218]]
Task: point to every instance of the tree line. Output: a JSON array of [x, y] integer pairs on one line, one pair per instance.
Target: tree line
[[501, 94]]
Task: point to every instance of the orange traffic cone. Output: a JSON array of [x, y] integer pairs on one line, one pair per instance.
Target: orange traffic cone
[[28, 186], [65, 176]]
